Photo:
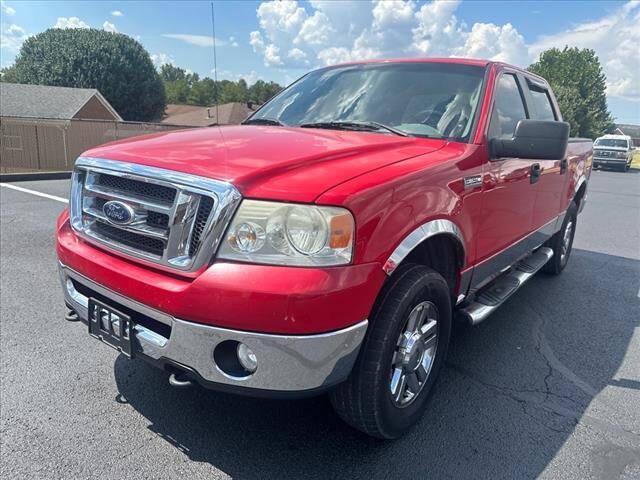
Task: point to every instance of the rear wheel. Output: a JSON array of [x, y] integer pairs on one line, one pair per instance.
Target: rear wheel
[[562, 242], [401, 356]]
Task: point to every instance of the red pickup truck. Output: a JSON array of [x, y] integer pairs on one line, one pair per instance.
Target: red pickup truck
[[329, 242]]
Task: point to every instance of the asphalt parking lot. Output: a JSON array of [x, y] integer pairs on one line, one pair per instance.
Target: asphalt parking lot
[[547, 387]]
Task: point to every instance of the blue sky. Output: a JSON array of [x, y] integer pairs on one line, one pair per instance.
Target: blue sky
[[280, 41]]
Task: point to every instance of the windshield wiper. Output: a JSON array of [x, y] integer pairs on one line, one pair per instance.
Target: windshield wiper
[[263, 121], [356, 126]]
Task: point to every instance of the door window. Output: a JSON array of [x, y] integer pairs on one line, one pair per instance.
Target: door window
[[541, 108], [508, 108]]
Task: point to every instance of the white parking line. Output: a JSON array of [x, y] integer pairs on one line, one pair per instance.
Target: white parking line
[[33, 192]]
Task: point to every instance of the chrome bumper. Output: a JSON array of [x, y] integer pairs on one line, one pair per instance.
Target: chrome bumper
[[611, 161], [286, 363]]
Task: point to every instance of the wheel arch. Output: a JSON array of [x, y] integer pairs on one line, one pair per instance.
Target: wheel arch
[[440, 236], [581, 191]]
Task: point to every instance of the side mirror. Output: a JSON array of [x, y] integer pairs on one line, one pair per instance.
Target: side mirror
[[535, 139]]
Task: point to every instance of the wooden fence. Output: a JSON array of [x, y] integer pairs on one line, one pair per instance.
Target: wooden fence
[[28, 144]]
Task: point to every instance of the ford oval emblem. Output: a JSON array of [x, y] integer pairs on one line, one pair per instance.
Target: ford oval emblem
[[118, 212]]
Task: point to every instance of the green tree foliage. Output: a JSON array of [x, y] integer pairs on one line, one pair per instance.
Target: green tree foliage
[[8, 75], [115, 64], [187, 88], [579, 83]]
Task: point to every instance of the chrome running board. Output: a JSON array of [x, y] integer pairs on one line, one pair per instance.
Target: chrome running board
[[501, 289]]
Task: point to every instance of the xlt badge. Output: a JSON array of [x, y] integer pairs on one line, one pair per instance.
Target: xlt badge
[[472, 181]]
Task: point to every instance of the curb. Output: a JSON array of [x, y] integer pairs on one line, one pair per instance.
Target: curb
[[25, 177]]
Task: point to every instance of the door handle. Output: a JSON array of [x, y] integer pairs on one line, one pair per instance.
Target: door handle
[[563, 165], [535, 173]]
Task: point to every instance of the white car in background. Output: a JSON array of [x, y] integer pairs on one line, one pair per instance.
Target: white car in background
[[613, 151]]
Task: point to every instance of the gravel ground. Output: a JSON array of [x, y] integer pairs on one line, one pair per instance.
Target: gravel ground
[[548, 387]]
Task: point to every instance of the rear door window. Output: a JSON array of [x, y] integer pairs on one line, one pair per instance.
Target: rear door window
[[542, 108]]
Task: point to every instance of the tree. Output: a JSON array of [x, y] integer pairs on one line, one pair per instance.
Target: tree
[[579, 83], [169, 73], [187, 88], [8, 75], [115, 64], [262, 91]]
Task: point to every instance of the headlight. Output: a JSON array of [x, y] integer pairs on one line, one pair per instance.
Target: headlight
[[289, 234], [622, 155]]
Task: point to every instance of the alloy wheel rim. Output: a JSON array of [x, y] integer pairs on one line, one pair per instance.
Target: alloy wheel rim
[[566, 241], [414, 355]]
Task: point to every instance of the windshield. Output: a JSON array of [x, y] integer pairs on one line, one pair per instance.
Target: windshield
[[611, 142], [423, 99]]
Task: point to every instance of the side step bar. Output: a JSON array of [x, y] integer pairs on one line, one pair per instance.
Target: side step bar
[[496, 293]]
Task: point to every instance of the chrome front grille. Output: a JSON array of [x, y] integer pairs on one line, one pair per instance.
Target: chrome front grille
[[175, 220], [151, 191]]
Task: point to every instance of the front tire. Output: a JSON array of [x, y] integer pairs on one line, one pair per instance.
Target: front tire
[[402, 354], [562, 242]]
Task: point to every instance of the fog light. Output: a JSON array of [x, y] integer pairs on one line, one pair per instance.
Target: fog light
[[247, 358]]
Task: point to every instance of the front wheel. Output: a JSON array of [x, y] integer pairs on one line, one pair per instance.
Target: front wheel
[[401, 356], [562, 242]]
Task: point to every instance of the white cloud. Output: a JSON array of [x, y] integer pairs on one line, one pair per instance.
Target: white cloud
[[109, 27], [281, 19], [392, 12], [270, 51], [315, 30], [233, 42], [160, 59], [499, 43], [296, 54], [330, 32], [615, 39], [256, 41], [197, 40], [297, 58], [15, 30], [11, 38], [7, 10], [438, 31], [251, 77], [333, 55], [272, 55], [117, 13], [71, 22]]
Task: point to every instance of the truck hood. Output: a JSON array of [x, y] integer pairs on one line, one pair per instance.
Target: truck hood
[[277, 163]]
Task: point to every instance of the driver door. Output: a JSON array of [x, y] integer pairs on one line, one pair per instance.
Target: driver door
[[508, 192]]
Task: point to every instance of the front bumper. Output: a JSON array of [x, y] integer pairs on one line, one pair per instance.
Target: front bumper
[[610, 162], [287, 364], [237, 296]]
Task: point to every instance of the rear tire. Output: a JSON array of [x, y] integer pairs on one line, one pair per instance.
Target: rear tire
[[401, 356], [562, 242]]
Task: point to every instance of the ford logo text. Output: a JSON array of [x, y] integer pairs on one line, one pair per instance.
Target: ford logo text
[[118, 213]]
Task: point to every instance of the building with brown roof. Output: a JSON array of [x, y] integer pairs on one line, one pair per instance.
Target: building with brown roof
[[54, 103], [191, 115], [632, 131]]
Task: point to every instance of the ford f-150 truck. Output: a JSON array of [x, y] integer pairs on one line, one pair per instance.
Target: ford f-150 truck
[[613, 151], [329, 242]]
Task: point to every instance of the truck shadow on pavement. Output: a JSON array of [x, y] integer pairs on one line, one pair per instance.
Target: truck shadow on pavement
[[513, 391]]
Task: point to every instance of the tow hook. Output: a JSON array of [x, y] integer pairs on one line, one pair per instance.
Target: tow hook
[[179, 380], [71, 316]]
